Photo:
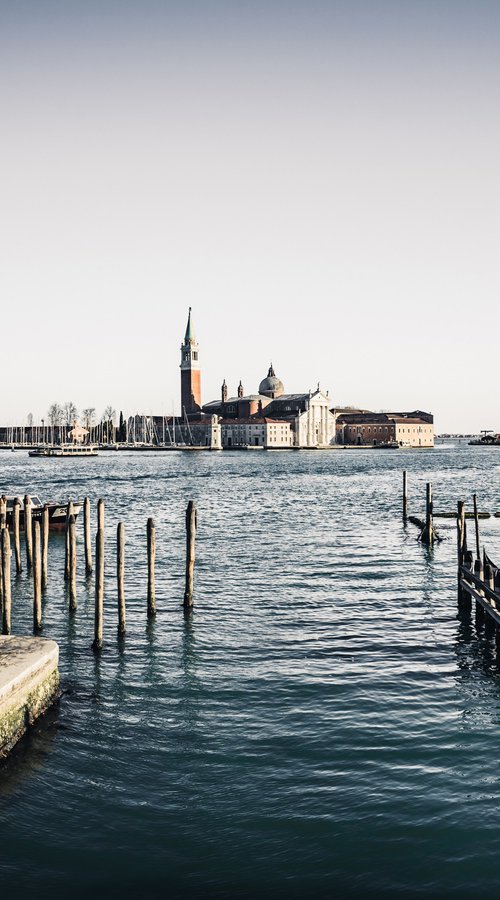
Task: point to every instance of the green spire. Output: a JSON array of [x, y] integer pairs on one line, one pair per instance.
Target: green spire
[[189, 329]]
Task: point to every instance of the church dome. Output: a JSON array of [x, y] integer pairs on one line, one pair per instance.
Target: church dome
[[271, 386]]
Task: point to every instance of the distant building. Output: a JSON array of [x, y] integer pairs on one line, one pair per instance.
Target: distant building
[[256, 432], [310, 421], [404, 429]]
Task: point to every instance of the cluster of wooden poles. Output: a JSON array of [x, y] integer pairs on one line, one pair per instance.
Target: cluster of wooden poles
[[36, 540], [479, 577]]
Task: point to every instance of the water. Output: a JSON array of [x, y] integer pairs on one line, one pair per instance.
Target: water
[[323, 725]]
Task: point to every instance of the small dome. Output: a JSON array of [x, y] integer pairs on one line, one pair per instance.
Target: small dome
[[271, 386]]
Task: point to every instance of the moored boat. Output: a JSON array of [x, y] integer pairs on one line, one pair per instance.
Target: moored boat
[[487, 439], [57, 512]]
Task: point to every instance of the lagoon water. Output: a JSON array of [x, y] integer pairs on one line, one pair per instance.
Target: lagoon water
[[324, 724]]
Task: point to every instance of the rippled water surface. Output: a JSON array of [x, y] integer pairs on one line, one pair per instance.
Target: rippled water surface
[[324, 724]]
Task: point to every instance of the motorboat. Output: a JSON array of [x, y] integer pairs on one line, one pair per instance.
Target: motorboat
[[58, 512]]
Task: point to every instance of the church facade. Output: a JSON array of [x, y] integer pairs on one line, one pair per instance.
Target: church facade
[[308, 416]]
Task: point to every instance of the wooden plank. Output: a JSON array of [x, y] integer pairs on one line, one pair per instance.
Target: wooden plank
[[416, 521], [480, 585], [468, 515], [483, 601]]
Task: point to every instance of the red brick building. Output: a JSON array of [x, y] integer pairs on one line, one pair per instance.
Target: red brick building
[[402, 429], [190, 373]]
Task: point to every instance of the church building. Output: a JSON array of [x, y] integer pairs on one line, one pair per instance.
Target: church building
[[268, 418], [311, 422]]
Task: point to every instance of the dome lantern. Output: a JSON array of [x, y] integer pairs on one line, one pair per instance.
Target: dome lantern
[[271, 386]]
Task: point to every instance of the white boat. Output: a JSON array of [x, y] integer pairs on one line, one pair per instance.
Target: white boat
[[60, 450]]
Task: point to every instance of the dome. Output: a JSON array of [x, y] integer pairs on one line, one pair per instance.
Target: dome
[[271, 386]]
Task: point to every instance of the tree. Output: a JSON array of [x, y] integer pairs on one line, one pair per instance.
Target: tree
[[122, 428], [55, 414], [29, 420], [70, 413], [88, 417], [108, 420]]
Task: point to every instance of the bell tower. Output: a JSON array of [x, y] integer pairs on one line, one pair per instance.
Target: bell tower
[[190, 372]]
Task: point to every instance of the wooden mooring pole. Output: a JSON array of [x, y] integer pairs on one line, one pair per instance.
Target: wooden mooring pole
[[191, 524], [72, 562], [476, 525], [405, 496], [100, 514], [67, 552], [427, 536], [28, 532], [151, 536], [489, 579], [99, 577], [6, 604], [45, 545], [478, 572], [461, 545], [16, 516], [86, 536], [120, 572], [3, 526], [37, 578]]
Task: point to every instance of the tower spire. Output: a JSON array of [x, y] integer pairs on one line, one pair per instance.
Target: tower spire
[[190, 372], [190, 335]]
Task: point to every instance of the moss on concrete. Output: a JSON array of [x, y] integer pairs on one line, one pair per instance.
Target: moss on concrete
[[25, 706]]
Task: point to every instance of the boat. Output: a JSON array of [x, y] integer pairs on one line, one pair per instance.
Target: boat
[[487, 439], [58, 512], [63, 450]]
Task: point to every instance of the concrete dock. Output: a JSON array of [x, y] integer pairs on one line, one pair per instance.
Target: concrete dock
[[29, 684]]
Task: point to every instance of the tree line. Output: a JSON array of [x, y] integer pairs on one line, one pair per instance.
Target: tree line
[[66, 414]]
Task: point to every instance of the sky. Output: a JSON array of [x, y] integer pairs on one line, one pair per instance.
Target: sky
[[318, 180]]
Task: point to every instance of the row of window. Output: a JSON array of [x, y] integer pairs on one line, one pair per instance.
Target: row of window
[[365, 428]]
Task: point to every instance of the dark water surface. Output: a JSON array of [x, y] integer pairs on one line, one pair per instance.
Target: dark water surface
[[323, 725]]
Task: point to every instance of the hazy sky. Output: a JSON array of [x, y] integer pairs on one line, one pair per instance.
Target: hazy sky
[[318, 180]]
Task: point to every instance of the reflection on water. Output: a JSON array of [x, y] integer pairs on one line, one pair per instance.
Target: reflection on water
[[29, 755], [326, 718]]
